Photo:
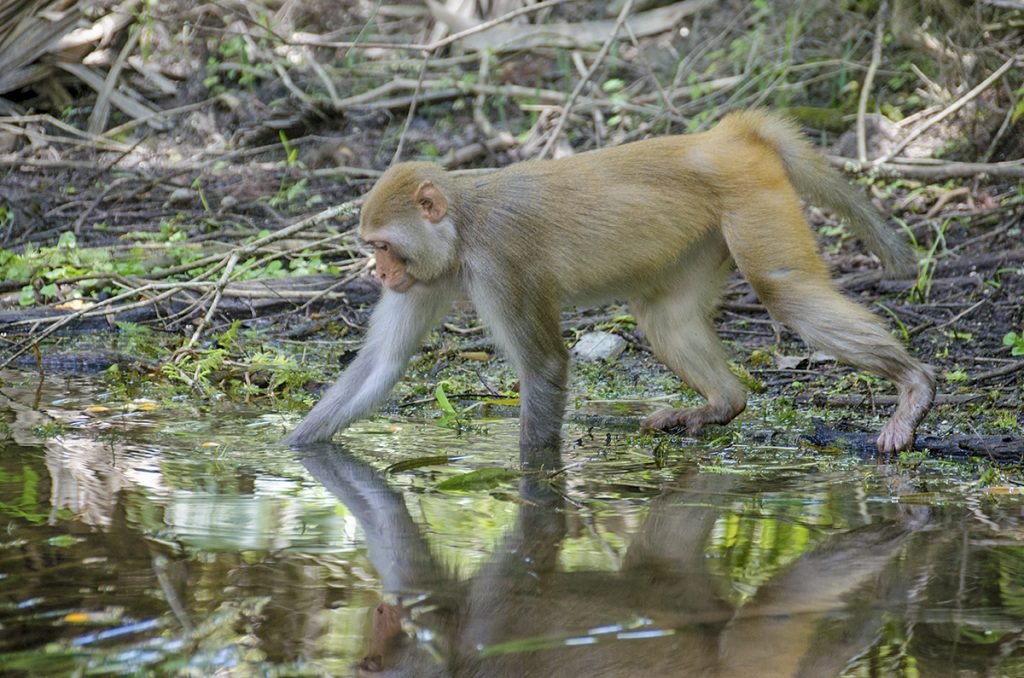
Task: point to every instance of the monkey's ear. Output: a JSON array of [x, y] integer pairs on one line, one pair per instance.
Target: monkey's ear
[[433, 204]]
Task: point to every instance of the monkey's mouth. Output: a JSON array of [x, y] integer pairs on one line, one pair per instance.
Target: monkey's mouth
[[400, 285]]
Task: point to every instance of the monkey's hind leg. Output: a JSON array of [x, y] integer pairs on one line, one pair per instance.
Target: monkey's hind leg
[[677, 322], [776, 252]]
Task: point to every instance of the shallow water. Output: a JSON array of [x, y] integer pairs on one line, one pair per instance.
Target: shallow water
[[153, 538]]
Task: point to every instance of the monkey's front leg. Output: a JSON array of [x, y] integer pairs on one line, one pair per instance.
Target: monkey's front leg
[[526, 327], [542, 396], [397, 326]]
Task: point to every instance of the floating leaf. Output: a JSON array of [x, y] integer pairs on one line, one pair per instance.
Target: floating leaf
[[62, 540], [1005, 489], [481, 479], [419, 462]]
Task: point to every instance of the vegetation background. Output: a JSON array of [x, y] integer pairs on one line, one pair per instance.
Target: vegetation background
[[178, 182]]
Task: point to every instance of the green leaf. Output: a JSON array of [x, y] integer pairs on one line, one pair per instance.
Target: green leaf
[[613, 85], [420, 462], [442, 399], [62, 540], [1015, 342], [956, 376], [1018, 111], [27, 296], [67, 239], [481, 479]]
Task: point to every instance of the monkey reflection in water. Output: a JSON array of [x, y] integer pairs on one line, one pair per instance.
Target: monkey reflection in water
[[519, 616], [659, 222]]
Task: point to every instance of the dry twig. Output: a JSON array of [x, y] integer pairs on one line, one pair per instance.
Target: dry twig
[[932, 170], [567, 109], [948, 111], [869, 79]]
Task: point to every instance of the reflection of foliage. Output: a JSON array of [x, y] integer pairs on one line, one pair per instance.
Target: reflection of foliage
[[1009, 562], [747, 551], [889, 656], [28, 506]]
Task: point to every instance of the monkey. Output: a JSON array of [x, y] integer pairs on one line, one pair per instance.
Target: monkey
[[659, 222]]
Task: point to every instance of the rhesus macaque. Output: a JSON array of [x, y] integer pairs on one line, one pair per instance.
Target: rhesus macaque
[[659, 222]]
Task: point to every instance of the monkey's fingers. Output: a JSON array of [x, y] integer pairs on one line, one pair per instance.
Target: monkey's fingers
[[895, 438]]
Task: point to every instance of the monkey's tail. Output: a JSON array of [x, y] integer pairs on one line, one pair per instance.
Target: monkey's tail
[[821, 184]]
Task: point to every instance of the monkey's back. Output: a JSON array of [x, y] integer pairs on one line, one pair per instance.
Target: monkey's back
[[649, 203]]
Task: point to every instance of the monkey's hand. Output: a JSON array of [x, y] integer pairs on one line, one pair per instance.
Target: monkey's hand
[[397, 326]]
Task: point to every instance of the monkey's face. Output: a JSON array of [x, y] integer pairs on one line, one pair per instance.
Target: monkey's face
[[406, 221], [391, 267]]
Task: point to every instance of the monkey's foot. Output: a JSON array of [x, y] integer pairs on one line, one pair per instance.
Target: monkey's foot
[[897, 436], [693, 419], [916, 398]]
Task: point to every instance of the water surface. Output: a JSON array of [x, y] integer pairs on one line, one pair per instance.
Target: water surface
[[160, 538]]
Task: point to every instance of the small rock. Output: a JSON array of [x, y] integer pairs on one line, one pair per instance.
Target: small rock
[[789, 362], [598, 346], [181, 196], [9, 142]]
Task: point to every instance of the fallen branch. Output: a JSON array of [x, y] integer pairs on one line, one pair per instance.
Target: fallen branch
[[109, 307], [135, 107], [247, 299], [363, 102], [1004, 449], [578, 35], [932, 170], [312, 41], [998, 372]]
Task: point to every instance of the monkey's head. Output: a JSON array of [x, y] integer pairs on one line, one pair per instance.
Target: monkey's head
[[406, 221]]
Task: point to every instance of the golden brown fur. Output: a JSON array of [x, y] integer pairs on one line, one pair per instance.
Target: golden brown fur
[[657, 222]]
